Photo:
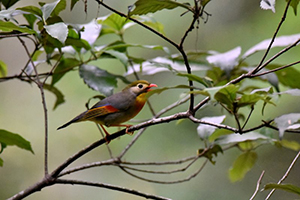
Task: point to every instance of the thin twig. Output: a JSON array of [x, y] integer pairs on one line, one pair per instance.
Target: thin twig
[[109, 186], [276, 69], [257, 185], [258, 68], [40, 86], [125, 150], [285, 175], [251, 111], [167, 182]]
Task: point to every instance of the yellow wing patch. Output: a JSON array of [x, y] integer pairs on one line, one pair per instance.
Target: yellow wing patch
[[98, 112]]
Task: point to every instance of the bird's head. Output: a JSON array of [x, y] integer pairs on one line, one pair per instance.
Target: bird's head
[[140, 87]]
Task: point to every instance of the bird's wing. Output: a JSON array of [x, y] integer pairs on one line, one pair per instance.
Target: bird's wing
[[98, 112]]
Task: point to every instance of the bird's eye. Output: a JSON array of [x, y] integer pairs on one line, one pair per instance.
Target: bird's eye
[[140, 86]]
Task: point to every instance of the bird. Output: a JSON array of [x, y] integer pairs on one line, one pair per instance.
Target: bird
[[117, 108]]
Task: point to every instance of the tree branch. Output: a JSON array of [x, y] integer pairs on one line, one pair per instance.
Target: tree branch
[[112, 187]]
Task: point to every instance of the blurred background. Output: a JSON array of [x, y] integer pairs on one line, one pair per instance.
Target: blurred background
[[233, 23]]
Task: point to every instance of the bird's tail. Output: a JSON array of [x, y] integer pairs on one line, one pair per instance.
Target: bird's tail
[[76, 119], [65, 125]]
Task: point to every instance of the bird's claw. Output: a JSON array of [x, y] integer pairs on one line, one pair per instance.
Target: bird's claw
[[129, 133]]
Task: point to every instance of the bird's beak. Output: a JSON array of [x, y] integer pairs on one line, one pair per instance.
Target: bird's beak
[[150, 86]]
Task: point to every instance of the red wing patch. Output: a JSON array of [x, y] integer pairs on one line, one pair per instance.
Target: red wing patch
[[99, 111]]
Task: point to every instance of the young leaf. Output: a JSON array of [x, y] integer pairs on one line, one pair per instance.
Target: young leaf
[[248, 100], [204, 130], [143, 7], [227, 95], [9, 26], [268, 5], [214, 150], [9, 138], [285, 121], [287, 187], [3, 69], [226, 61], [293, 145], [218, 133], [59, 31], [289, 77], [59, 96], [113, 23], [281, 41], [242, 165], [294, 4]]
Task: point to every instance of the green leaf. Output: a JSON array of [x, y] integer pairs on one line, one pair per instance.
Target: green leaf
[[9, 26], [227, 95], [293, 145], [77, 44], [143, 7], [242, 165], [58, 31], [193, 77], [99, 79], [3, 69], [284, 122], [59, 96], [248, 100], [59, 7], [9, 138], [218, 133], [287, 187], [1, 162], [205, 130], [3, 146], [63, 67], [214, 150], [113, 24], [294, 5], [33, 10], [8, 3], [30, 19], [160, 90], [289, 77]]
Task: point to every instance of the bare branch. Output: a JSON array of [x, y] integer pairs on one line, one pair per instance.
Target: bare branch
[[167, 182], [257, 185], [285, 175], [112, 187], [258, 68]]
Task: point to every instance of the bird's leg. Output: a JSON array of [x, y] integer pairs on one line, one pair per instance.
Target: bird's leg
[[106, 133], [127, 127]]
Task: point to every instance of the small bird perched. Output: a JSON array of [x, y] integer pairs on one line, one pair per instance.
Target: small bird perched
[[117, 108]]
